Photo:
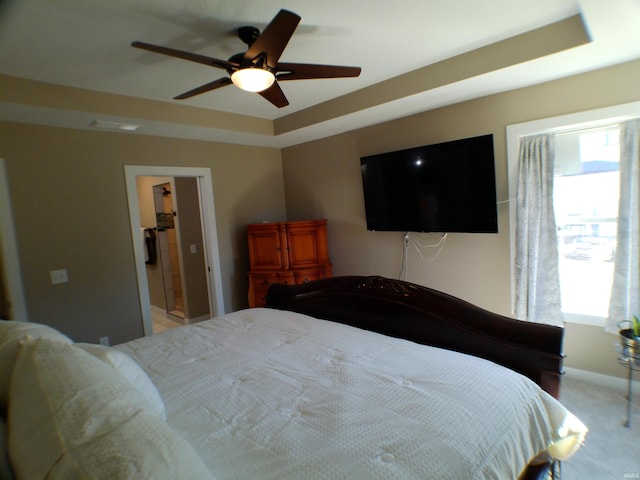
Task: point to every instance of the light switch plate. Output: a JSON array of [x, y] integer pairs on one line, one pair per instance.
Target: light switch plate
[[58, 276]]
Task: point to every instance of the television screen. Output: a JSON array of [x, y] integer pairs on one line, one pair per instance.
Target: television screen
[[445, 187]]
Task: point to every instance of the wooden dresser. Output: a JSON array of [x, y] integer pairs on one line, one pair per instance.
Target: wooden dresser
[[286, 252]]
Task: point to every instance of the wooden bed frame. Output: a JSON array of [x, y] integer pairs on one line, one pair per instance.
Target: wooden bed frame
[[423, 315]]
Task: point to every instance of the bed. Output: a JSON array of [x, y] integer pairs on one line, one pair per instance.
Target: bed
[[348, 377]]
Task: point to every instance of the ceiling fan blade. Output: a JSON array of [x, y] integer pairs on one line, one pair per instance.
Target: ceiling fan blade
[[274, 38], [301, 71], [193, 57], [221, 82], [275, 95]]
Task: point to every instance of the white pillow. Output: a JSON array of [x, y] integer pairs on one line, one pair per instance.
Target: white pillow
[[72, 416], [128, 367], [11, 332]]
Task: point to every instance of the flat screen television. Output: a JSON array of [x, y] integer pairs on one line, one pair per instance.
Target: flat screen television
[[445, 187]]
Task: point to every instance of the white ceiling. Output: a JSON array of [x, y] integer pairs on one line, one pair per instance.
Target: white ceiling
[[86, 44]]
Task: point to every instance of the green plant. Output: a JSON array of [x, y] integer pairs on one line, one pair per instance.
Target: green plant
[[635, 326]]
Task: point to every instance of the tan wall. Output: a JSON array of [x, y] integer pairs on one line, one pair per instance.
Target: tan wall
[[322, 179], [4, 304], [194, 274], [70, 210]]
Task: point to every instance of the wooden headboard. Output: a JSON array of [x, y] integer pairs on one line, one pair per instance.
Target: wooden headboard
[[423, 315]]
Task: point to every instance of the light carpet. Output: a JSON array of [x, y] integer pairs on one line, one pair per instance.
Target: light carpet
[[611, 451]]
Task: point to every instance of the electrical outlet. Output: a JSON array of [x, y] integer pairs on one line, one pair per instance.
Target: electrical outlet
[[194, 248], [104, 341], [58, 276]]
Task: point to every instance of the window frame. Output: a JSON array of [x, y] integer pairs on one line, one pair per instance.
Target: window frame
[[563, 123]]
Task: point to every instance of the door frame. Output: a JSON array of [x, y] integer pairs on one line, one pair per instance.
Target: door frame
[[212, 254], [9, 255]]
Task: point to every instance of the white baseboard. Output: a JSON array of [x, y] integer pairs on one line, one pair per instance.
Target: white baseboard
[[161, 312], [185, 321], [601, 379], [201, 318]]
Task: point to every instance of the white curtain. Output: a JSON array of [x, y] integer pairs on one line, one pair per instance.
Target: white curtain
[[536, 263], [625, 291]]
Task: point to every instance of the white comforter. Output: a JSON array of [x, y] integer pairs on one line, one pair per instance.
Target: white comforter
[[267, 394]]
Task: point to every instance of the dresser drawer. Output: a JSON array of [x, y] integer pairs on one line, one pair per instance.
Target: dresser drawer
[[308, 275], [259, 284]]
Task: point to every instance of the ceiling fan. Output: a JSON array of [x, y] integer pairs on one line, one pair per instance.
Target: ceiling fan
[[257, 69]]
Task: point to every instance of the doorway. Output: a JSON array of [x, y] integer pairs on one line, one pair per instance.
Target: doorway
[[201, 178], [15, 307], [168, 253]]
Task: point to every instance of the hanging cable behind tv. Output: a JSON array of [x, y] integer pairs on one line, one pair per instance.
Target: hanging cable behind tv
[[406, 240]]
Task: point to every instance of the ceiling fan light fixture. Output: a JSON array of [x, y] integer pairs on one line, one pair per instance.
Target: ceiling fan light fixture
[[258, 68], [253, 79]]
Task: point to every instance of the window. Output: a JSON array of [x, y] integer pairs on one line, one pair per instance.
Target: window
[[585, 196], [602, 122]]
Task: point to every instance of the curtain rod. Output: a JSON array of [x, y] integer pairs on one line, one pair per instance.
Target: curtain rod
[[610, 126], [571, 130], [588, 126]]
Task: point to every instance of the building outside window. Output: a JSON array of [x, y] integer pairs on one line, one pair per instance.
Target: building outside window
[[586, 193]]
